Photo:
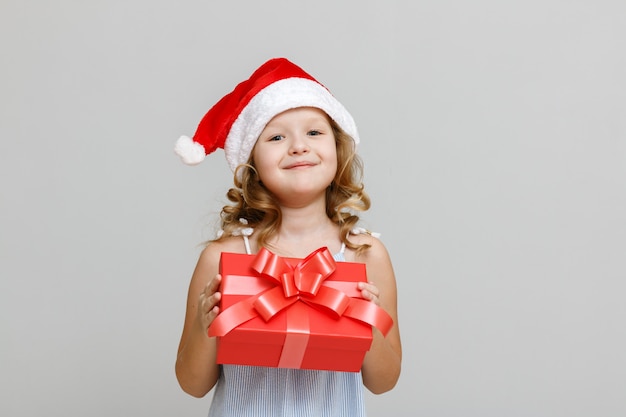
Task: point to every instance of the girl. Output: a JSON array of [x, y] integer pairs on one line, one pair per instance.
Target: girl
[[297, 185]]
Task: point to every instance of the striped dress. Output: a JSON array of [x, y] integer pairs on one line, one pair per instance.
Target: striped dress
[[254, 391]]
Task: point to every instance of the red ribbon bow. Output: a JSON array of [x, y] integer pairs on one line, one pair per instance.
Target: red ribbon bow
[[300, 283], [303, 282]]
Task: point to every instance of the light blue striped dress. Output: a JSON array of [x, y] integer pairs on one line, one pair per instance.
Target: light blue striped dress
[[254, 391]]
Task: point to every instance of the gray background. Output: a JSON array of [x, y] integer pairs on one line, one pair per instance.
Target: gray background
[[494, 138]]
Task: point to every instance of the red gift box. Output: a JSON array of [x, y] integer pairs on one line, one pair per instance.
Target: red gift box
[[294, 313]]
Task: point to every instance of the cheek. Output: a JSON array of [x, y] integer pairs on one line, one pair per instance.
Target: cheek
[[332, 158], [263, 167]]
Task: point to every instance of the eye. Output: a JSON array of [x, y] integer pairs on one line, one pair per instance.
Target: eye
[[314, 132], [275, 138]]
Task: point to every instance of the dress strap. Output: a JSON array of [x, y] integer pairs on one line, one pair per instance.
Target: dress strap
[[246, 242]]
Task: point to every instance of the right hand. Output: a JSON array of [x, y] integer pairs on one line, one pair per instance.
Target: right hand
[[208, 302]]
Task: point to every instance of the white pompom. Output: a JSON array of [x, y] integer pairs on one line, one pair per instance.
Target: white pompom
[[192, 153]]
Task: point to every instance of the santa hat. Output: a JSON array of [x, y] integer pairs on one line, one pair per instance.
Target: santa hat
[[236, 121]]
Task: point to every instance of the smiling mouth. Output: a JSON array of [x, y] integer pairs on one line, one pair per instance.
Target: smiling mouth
[[300, 165]]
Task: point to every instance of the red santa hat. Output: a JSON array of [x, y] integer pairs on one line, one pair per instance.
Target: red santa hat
[[235, 122]]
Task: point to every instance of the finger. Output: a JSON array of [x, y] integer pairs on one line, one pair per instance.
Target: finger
[[368, 295], [370, 288], [212, 314], [211, 301], [213, 285], [374, 289]]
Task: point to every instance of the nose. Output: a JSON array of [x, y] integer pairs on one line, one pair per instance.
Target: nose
[[299, 145]]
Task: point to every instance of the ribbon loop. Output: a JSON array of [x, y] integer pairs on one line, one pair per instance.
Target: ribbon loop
[[270, 265]]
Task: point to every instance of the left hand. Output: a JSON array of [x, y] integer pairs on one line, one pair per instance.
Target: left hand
[[370, 292]]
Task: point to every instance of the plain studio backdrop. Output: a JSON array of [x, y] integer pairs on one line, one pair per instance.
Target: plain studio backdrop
[[494, 141]]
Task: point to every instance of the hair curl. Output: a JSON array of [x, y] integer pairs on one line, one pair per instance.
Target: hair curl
[[256, 204]]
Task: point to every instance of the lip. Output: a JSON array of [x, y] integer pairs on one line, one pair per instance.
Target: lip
[[300, 164]]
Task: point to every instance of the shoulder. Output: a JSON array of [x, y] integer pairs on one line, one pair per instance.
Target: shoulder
[[225, 244], [376, 255], [377, 251], [210, 255]]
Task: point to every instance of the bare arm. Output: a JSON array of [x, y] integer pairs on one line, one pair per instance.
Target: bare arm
[[196, 367], [382, 363]]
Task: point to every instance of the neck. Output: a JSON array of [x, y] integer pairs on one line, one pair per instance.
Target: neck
[[304, 230], [302, 224]]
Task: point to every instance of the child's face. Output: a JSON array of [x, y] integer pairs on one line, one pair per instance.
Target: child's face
[[296, 154]]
